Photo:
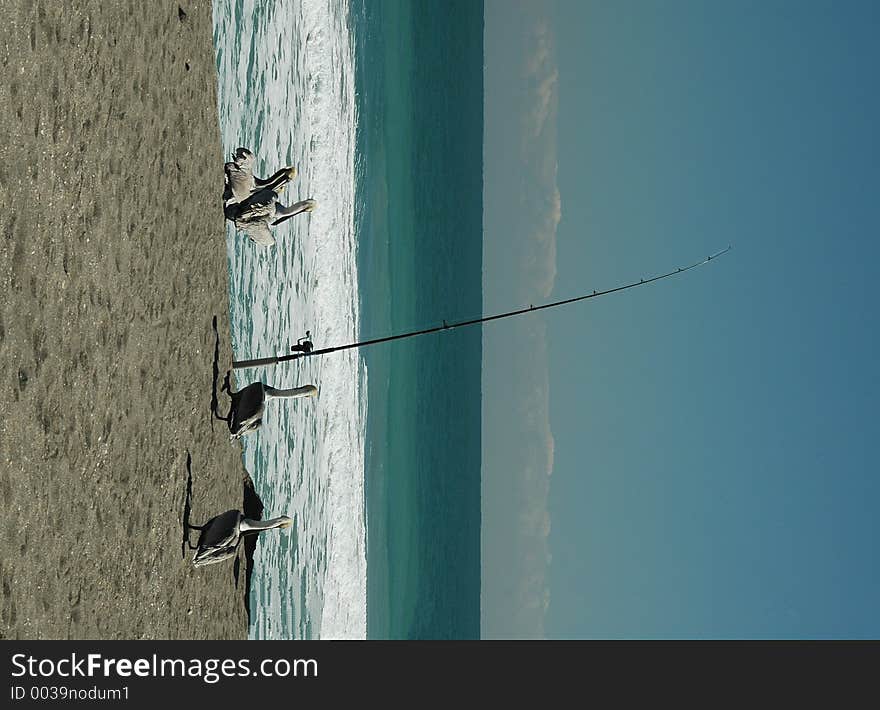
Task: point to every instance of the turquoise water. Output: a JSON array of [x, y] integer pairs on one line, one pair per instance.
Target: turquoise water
[[419, 89]]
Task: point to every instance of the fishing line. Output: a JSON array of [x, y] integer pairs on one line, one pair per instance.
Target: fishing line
[[304, 347]]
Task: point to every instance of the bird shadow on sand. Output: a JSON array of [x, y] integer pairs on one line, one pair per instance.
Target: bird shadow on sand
[[252, 507], [215, 400], [187, 506]]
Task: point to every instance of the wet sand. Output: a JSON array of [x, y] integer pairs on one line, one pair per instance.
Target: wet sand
[[112, 266]]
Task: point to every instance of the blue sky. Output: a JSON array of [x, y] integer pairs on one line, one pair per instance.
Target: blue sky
[[712, 469]]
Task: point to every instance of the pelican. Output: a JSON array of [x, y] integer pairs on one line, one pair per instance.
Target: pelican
[[246, 413], [221, 535], [251, 203]]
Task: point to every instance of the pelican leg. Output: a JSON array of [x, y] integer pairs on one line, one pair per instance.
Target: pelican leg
[[189, 544], [186, 540], [227, 387]]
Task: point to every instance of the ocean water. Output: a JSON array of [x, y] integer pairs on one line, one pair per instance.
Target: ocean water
[[419, 84], [286, 91], [379, 106]]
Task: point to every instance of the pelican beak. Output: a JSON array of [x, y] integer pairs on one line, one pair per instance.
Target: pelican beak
[[291, 173], [287, 523], [312, 205]]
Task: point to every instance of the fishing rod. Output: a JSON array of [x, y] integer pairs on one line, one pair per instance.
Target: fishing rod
[[304, 347]]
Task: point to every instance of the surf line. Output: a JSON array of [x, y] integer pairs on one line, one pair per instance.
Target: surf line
[[305, 348]]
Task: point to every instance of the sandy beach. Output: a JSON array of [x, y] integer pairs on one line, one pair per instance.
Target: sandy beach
[[112, 267]]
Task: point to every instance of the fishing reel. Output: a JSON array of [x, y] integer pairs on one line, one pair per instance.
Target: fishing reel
[[304, 344]]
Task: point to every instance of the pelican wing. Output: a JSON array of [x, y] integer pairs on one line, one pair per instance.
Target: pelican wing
[[246, 426], [209, 556], [239, 184], [255, 215], [219, 539], [257, 231]]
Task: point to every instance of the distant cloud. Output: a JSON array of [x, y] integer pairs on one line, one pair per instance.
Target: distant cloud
[[544, 259], [523, 209], [539, 151], [542, 78]]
